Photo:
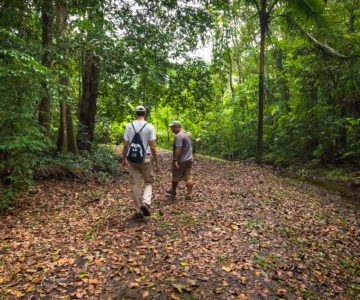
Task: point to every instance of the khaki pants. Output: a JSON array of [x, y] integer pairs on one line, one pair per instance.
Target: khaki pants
[[139, 171]]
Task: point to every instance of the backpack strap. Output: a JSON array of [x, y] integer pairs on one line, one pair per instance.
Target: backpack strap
[[138, 134], [140, 129]]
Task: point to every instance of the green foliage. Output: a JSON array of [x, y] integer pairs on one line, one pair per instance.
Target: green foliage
[[27, 166], [189, 86], [21, 138], [100, 159]]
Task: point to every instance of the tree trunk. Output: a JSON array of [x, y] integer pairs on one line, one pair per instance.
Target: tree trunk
[[263, 23], [66, 139], [237, 58], [71, 138], [44, 104], [61, 144], [352, 17], [87, 105], [230, 78]]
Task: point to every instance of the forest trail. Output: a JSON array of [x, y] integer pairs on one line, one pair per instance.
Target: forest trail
[[247, 234]]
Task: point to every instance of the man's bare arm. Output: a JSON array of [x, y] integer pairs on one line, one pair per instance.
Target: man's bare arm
[[124, 153], [154, 154], [177, 153]]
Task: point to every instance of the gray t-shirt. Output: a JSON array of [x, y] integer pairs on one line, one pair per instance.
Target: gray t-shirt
[[147, 134], [181, 140]]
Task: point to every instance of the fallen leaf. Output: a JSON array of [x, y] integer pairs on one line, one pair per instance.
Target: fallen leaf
[[93, 281], [145, 294], [226, 268], [31, 288], [192, 282], [174, 297], [80, 293], [178, 287], [19, 294], [134, 284]]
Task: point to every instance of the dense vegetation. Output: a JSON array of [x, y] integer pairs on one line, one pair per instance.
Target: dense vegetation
[[283, 84]]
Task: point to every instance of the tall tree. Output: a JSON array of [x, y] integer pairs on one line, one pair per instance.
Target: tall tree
[[308, 8], [90, 79], [66, 137], [47, 21]]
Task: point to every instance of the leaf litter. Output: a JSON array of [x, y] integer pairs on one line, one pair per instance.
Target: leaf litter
[[248, 233]]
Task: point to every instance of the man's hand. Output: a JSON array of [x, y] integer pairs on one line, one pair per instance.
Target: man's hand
[[157, 167], [124, 164], [176, 165]]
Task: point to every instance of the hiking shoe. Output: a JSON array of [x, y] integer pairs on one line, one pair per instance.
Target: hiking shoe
[[137, 215], [188, 197], [171, 192], [145, 209]]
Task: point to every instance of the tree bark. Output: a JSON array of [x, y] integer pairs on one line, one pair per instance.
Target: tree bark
[[61, 144], [263, 22], [90, 83], [44, 104], [87, 105], [230, 78], [66, 138]]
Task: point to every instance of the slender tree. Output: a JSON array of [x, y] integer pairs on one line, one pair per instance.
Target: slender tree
[[308, 8]]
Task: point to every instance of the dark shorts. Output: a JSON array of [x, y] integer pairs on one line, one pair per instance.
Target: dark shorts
[[183, 172]]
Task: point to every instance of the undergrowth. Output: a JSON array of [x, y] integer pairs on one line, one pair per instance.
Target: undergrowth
[[97, 164]]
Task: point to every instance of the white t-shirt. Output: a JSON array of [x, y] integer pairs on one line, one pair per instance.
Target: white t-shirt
[[147, 134]]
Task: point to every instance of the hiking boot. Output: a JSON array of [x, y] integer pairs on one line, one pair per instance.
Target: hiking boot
[[146, 210], [188, 197], [171, 192], [137, 215]]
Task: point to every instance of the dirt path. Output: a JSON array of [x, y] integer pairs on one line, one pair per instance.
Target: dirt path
[[247, 234]]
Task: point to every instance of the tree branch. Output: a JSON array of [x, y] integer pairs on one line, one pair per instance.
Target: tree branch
[[323, 46], [256, 4], [272, 6]]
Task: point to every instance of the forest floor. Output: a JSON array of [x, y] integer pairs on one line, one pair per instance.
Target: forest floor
[[248, 233]]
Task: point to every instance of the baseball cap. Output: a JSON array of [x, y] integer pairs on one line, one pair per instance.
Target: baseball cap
[[140, 108], [175, 123]]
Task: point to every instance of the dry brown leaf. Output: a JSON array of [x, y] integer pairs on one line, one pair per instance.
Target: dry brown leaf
[[93, 281], [145, 294], [174, 297]]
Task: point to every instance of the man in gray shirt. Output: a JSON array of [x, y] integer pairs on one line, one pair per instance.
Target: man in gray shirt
[[141, 170], [182, 160]]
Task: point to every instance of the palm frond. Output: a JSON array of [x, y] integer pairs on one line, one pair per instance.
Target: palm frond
[[311, 10], [295, 25]]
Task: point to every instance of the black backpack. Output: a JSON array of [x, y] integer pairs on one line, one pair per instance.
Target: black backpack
[[136, 150]]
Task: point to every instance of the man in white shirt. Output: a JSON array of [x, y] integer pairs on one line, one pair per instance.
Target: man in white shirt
[[141, 170]]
